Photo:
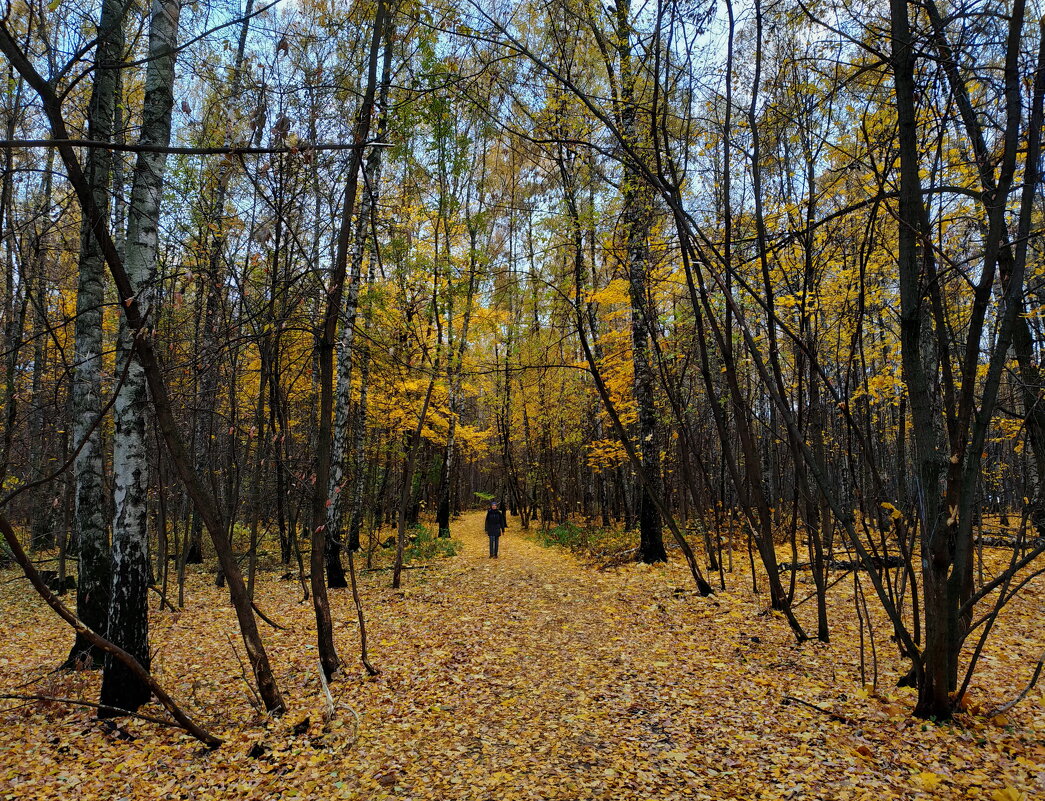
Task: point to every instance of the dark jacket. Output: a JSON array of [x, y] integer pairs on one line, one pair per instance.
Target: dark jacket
[[495, 522]]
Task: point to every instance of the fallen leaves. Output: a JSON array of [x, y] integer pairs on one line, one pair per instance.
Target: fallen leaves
[[929, 780], [528, 677]]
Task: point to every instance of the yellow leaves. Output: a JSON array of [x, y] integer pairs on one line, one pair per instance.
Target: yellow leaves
[[1007, 428], [615, 293], [788, 302], [529, 677], [474, 441], [883, 387], [929, 780], [895, 711], [1009, 794], [606, 454], [894, 513]]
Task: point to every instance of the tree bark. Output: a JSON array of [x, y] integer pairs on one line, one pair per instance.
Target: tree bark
[[325, 344], [91, 530], [920, 363], [637, 219], [102, 644], [345, 437], [129, 599], [168, 427]]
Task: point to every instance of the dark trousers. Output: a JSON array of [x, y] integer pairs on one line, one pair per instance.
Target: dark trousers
[[495, 540]]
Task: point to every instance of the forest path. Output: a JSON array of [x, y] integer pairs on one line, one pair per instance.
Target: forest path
[[535, 676], [532, 676]]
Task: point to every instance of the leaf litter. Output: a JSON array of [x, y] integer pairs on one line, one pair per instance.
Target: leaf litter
[[532, 676]]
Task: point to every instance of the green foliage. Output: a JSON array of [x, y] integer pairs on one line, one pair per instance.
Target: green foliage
[[566, 535], [590, 541], [485, 497], [424, 545]]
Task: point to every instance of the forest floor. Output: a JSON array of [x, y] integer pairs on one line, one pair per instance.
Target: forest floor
[[532, 676]]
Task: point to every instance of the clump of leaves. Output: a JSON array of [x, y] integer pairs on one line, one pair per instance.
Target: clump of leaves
[[554, 648], [423, 545]]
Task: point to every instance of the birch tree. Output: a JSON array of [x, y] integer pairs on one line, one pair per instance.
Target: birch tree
[[344, 442], [129, 602]]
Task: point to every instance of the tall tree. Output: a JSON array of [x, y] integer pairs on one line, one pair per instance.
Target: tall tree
[[637, 222], [129, 600], [343, 437], [326, 339], [91, 529]]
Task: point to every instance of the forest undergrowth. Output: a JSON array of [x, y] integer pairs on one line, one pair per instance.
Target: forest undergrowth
[[535, 676]]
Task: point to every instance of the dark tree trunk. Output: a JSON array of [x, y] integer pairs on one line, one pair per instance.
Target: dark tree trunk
[[920, 363], [637, 218], [91, 529]]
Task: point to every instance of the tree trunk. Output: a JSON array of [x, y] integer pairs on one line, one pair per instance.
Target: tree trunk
[[325, 345], [914, 267], [47, 499], [345, 437], [408, 479], [129, 601], [172, 434], [637, 214], [91, 531]]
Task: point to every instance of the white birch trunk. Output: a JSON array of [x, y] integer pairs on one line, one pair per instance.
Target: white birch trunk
[[343, 445], [128, 610]]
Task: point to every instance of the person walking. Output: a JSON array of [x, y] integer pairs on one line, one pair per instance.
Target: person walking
[[495, 526]]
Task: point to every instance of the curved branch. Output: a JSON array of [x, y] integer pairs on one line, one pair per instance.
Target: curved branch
[[100, 642]]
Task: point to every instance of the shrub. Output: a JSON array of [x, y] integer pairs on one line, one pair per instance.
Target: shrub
[[425, 546], [6, 557], [565, 535]]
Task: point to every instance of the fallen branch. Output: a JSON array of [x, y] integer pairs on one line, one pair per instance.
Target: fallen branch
[[370, 669], [164, 601], [253, 696], [264, 617], [848, 565], [100, 642], [787, 699], [99, 707], [41, 677], [1030, 686], [829, 586], [619, 559]]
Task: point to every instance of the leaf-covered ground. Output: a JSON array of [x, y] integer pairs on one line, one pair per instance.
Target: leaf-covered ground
[[529, 677]]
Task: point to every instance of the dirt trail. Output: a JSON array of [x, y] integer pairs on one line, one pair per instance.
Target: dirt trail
[[540, 686]]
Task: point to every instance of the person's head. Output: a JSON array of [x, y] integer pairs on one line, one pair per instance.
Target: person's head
[[493, 504]]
